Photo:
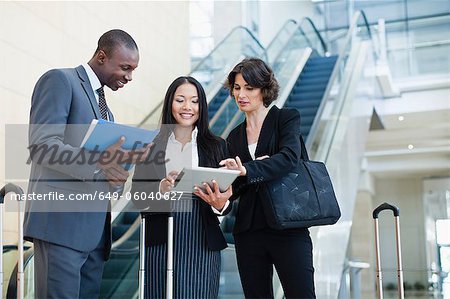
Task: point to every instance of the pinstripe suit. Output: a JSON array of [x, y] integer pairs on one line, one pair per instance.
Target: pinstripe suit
[[197, 237]]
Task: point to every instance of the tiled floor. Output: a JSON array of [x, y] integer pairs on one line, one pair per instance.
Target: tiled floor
[[416, 295]]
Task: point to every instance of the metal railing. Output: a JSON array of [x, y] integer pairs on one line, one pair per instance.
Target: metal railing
[[285, 62], [211, 70], [336, 81]]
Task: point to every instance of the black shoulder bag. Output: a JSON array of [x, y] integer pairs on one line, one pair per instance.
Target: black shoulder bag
[[302, 198]]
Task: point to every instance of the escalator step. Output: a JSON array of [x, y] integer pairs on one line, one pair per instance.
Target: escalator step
[[130, 217], [321, 59], [298, 101], [304, 129], [314, 80], [311, 86], [316, 74], [298, 88], [217, 101], [109, 288], [130, 244], [118, 230], [319, 67], [306, 110], [115, 268], [308, 95], [307, 120]]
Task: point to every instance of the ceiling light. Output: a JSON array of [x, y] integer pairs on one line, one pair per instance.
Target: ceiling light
[[401, 118], [410, 146]]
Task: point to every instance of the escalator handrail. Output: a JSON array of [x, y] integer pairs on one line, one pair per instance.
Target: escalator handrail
[[342, 53], [228, 99], [11, 247], [154, 110], [353, 26], [317, 32], [279, 32], [127, 235], [391, 22], [299, 28], [224, 40], [252, 36], [233, 121], [11, 292]]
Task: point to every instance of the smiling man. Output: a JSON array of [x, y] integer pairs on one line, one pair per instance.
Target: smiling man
[[71, 245]]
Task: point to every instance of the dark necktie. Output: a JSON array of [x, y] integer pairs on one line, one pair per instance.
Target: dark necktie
[[102, 103]]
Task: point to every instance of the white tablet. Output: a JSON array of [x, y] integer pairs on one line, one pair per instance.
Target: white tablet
[[189, 177]]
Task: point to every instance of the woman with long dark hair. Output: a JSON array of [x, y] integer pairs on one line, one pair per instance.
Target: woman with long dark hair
[[184, 140]]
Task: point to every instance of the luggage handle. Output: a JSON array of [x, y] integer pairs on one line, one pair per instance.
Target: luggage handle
[[385, 206], [20, 273], [9, 188], [396, 211]]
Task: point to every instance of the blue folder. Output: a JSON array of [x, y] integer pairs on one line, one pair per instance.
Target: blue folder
[[102, 133]]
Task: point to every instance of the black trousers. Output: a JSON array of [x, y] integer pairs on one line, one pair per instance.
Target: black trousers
[[290, 251]]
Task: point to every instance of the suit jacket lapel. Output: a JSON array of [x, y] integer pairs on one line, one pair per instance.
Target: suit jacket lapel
[[244, 154], [88, 90], [155, 155], [267, 133]]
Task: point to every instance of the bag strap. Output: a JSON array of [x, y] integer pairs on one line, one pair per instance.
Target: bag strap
[[304, 155]]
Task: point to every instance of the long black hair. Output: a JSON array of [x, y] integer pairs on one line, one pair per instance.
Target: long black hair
[[206, 140]]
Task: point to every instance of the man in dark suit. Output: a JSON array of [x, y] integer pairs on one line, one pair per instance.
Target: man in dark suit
[[72, 241]]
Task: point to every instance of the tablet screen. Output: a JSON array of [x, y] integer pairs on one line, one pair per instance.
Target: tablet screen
[[189, 177]]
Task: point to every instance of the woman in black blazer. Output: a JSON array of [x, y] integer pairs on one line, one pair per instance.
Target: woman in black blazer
[[265, 146], [184, 140]]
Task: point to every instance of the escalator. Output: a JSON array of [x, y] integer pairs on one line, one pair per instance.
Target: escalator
[[288, 53], [120, 273], [221, 108], [309, 90]]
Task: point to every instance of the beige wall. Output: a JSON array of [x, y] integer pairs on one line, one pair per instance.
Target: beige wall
[[273, 15], [405, 193], [362, 241], [38, 36]]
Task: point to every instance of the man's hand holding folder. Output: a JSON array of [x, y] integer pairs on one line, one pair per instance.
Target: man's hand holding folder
[[115, 157], [119, 146]]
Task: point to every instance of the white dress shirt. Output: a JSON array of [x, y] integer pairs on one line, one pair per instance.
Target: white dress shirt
[[93, 79], [180, 156], [252, 150]]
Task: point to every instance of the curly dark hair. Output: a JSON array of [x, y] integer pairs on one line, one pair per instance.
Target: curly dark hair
[[258, 75]]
